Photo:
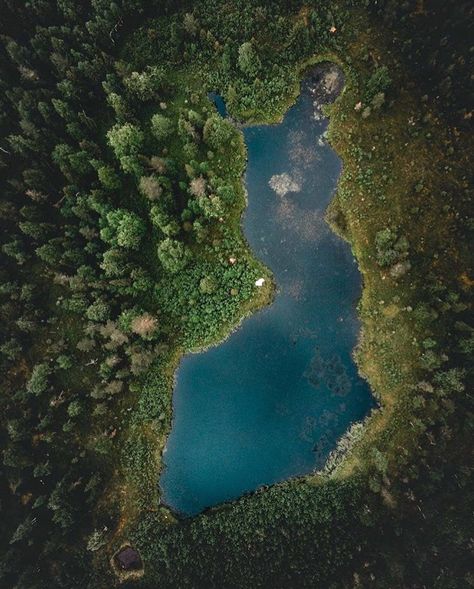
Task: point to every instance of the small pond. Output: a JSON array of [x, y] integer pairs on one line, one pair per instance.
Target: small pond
[[272, 401]]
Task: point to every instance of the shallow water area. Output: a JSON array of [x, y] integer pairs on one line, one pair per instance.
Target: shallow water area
[[272, 400]]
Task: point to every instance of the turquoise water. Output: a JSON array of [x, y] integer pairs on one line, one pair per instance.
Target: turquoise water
[[271, 402]]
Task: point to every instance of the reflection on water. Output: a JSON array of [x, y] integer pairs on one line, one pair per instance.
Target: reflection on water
[[271, 401]]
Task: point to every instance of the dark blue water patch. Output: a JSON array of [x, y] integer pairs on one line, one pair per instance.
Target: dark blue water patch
[[219, 103], [271, 402]]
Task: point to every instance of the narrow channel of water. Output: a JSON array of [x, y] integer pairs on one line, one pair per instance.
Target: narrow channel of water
[[271, 402]]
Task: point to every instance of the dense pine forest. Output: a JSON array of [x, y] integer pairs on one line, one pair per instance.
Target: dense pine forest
[[121, 200]]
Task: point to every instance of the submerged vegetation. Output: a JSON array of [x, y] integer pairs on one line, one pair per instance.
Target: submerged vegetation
[[120, 214]]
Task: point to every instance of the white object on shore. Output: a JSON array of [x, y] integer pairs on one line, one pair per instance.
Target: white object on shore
[[259, 282]]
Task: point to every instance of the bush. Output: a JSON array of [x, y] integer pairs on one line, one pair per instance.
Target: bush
[[248, 60], [108, 177], [124, 228], [145, 85], [173, 255], [98, 311], [38, 382], [218, 132], [390, 248], [379, 82], [161, 126], [150, 187]]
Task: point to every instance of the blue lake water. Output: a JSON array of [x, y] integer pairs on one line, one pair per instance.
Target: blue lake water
[[272, 400]]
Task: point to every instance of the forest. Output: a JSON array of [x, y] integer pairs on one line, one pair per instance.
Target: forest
[[120, 211]]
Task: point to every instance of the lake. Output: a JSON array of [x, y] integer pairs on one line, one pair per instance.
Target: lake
[[272, 401]]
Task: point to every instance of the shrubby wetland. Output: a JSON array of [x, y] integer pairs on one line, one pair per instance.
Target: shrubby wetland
[[235, 294]]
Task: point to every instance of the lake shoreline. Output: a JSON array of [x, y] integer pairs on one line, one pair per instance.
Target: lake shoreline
[[323, 83]]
